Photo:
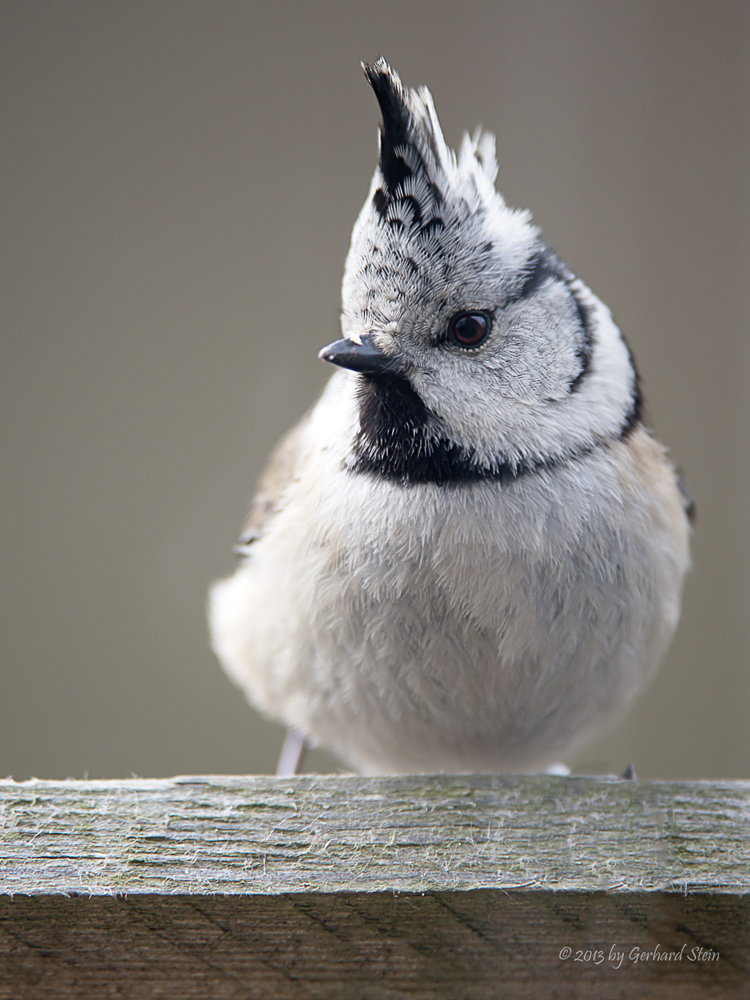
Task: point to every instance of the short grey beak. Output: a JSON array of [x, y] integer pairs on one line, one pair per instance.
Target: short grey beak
[[365, 357]]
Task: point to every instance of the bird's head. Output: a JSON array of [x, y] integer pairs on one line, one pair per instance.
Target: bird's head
[[479, 353]]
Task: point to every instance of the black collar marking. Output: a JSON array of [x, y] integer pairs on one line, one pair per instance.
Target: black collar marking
[[396, 443]]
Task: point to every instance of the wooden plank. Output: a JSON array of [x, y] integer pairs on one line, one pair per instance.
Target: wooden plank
[[477, 945], [340, 833], [338, 886]]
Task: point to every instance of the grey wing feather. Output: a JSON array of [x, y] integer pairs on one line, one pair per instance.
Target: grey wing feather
[[280, 470], [687, 497]]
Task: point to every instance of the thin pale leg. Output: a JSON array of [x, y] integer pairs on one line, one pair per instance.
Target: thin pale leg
[[292, 753]]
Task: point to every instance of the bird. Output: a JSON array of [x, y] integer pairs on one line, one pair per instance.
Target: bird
[[469, 554]]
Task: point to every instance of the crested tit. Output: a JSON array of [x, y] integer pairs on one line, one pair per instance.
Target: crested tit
[[469, 554]]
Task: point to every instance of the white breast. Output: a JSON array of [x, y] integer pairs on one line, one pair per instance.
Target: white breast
[[480, 626]]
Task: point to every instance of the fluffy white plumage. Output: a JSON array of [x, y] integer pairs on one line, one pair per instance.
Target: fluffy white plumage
[[469, 556]]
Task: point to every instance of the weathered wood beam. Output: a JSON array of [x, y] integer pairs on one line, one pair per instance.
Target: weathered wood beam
[[338, 886]]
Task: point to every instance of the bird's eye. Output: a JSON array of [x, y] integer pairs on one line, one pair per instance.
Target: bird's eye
[[469, 329]]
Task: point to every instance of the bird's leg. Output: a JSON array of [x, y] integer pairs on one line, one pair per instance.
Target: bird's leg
[[559, 769], [292, 753]]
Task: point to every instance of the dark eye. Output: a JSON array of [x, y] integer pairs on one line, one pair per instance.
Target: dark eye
[[469, 329]]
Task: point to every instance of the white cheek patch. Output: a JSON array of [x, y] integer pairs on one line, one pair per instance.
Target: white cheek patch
[[538, 353], [522, 407]]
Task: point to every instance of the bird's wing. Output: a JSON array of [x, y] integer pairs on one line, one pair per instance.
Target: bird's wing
[[281, 469]]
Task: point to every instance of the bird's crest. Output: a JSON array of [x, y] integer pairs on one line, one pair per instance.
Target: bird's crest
[[416, 166], [432, 220]]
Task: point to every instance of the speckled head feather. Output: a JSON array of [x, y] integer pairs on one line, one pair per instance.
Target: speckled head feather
[[431, 219]]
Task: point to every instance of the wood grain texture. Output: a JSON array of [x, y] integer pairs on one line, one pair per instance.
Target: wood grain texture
[[346, 887]]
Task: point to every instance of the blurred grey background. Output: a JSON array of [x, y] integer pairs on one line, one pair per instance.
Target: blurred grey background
[[179, 184]]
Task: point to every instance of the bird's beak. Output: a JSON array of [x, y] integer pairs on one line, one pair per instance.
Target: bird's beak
[[362, 357]]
